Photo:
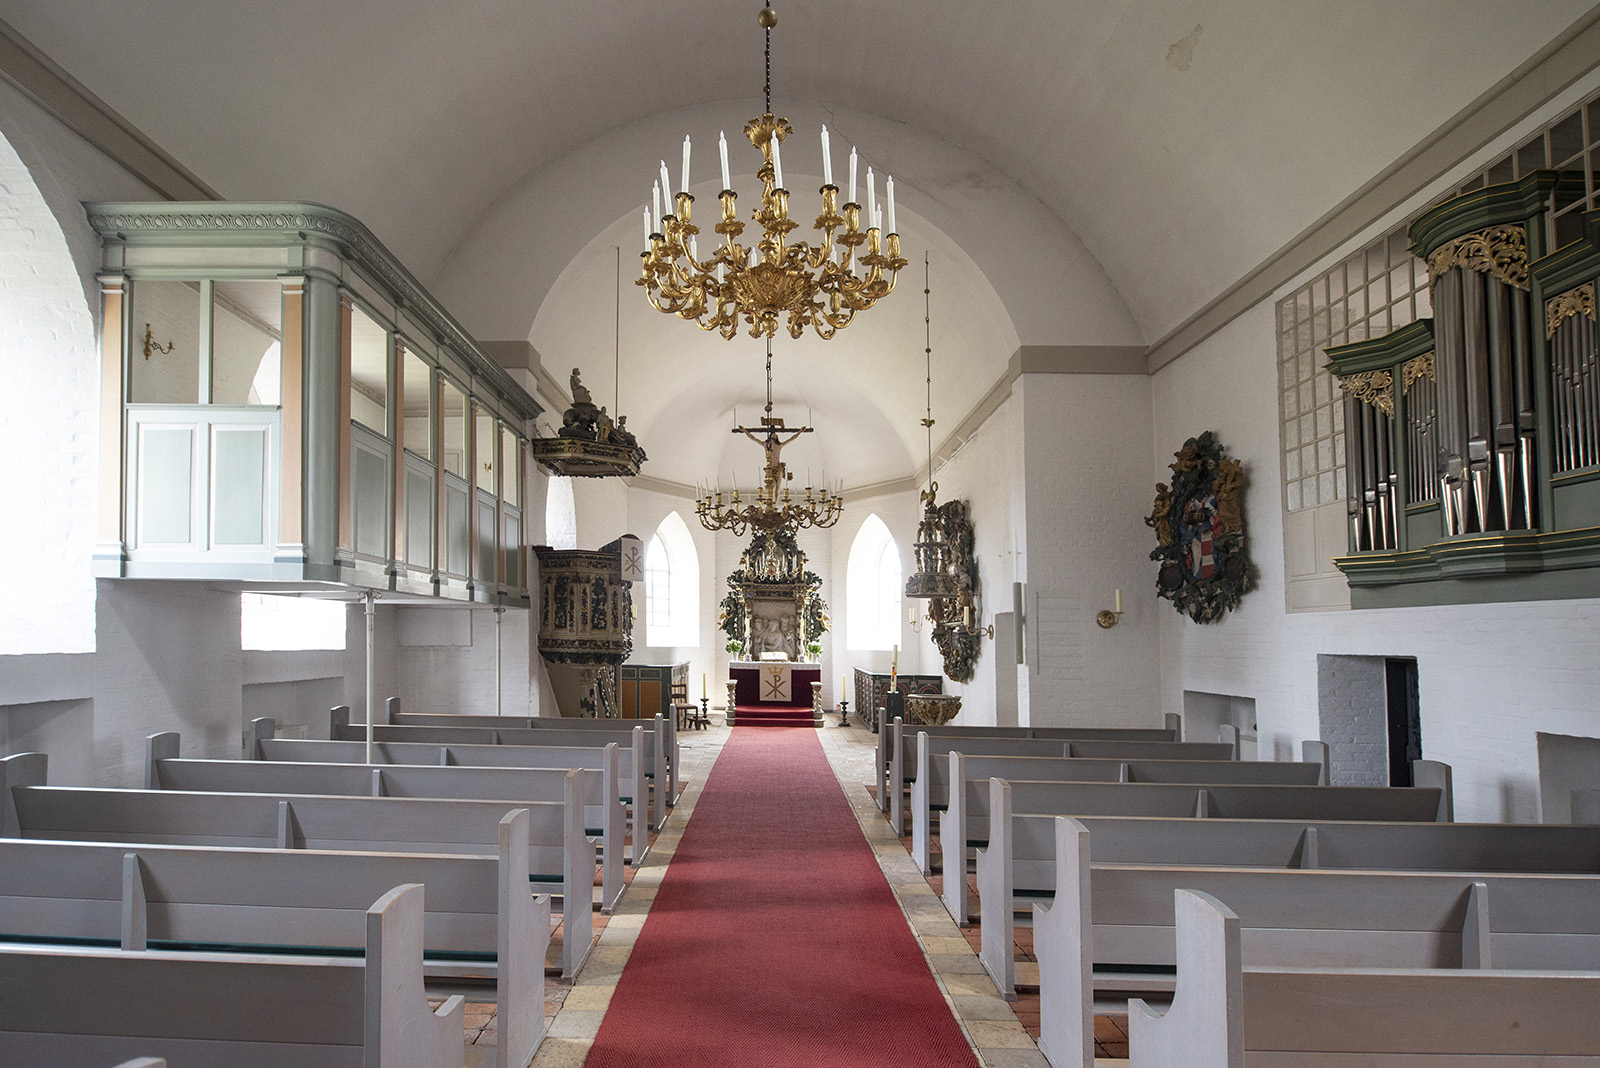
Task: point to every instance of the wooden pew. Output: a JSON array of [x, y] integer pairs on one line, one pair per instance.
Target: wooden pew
[[603, 814], [900, 735], [1026, 845], [1108, 915], [667, 725], [965, 824], [630, 768], [1228, 1010], [649, 744], [481, 920], [561, 859], [903, 755], [83, 1005], [930, 789]]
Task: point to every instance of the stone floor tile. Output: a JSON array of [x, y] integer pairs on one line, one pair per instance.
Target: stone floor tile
[[999, 1034], [1013, 1058]]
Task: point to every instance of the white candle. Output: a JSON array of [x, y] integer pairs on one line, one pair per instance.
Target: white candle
[[694, 250], [894, 665], [666, 187], [777, 163], [722, 146], [702, 684], [655, 203], [890, 185], [872, 199], [852, 199], [647, 230], [1119, 602], [827, 160], [685, 185]]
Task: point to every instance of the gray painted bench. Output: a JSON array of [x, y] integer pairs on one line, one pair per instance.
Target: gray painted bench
[[1109, 923], [265, 746], [1229, 1010], [1018, 867], [666, 725], [965, 824], [481, 920], [888, 735], [561, 859], [648, 744], [81, 1005], [902, 755], [930, 790], [603, 814]]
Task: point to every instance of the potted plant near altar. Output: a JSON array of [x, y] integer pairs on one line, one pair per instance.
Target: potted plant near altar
[[814, 651], [736, 648]]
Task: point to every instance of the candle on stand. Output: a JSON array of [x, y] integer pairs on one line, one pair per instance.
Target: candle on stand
[[647, 229], [894, 665], [827, 160], [722, 146], [702, 684], [655, 204], [777, 163], [666, 187], [890, 185], [1119, 602], [685, 185], [872, 199], [852, 199]]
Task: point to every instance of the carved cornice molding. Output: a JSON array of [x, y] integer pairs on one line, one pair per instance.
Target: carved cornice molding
[[1563, 306], [1500, 251], [1411, 370], [294, 223], [1372, 387]]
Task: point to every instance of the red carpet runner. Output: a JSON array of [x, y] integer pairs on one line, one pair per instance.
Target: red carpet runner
[[772, 715], [774, 940]]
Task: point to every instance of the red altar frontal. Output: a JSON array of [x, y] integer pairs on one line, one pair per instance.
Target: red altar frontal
[[773, 682]]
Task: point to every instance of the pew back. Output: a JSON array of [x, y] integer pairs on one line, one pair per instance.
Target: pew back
[[66, 1005]]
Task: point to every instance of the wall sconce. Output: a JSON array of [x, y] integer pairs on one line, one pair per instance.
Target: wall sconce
[[968, 616], [150, 344], [1109, 619], [914, 620]]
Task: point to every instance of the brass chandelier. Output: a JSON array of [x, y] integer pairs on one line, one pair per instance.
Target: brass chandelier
[[774, 504], [822, 286]]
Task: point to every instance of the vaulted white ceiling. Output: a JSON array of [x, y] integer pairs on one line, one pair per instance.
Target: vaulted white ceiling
[[1080, 172]]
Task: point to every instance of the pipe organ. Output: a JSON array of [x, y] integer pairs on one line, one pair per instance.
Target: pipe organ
[[1472, 439]]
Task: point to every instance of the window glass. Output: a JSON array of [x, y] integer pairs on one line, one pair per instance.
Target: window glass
[[369, 372], [453, 432], [267, 621], [486, 452], [417, 406], [246, 342], [166, 342], [510, 483], [874, 588]]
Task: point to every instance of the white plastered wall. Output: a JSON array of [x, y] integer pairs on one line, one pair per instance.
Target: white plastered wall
[[1489, 676]]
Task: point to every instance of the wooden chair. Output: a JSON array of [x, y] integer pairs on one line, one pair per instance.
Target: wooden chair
[[689, 713]]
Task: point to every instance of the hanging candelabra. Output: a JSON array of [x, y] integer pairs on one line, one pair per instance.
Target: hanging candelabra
[[774, 504], [821, 286]]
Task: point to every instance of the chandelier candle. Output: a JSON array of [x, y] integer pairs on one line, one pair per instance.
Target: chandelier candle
[[752, 286]]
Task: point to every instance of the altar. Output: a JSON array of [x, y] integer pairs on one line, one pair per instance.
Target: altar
[[773, 682]]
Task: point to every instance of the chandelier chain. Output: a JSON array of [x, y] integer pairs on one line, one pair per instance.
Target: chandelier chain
[[768, 28]]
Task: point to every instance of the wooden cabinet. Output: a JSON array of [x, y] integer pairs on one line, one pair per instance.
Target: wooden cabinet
[[644, 690]]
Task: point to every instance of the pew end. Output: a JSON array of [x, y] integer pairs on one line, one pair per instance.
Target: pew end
[[1204, 1025]]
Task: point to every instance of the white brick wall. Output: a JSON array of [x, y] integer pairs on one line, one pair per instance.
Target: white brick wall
[[48, 428]]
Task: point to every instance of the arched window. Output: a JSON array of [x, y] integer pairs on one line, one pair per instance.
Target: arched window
[[873, 585], [671, 586], [560, 514]]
